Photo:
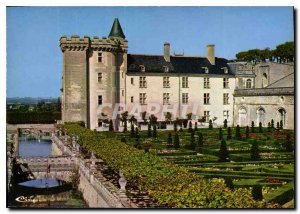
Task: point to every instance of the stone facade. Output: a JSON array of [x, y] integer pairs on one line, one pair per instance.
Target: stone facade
[[99, 71]]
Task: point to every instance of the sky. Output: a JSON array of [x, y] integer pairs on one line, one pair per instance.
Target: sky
[[34, 59]]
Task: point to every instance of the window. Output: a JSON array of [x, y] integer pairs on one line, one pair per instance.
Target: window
[[166, 98], [99, 123], [131, 80], [185, 82], [131, 99], [143, 83], [205, 69], [206, 99], [100, 77], [225, 82], [206, 115], [122, 74], [225, 98], [206, 82], [99, 57], [143, 98], [166, 69], [100, 100], [225, 70], [185, 98], [248, 83], [226, 115], [142, 68], [122, 93], [166, 82]]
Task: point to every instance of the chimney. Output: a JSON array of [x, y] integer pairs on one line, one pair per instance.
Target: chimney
[[210, 50], [167, 51]]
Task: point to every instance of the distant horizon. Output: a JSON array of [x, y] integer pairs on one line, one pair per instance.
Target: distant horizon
[[34, 59]]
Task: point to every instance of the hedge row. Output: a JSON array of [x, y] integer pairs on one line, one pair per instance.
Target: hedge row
[[282, 194], [32, 117], [167, 183]]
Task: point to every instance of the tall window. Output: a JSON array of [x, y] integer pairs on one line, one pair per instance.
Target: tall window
[[166, 82], [142, 98], [143, 83], [206, 115], [131, 99], [206, 82], [100, 100], [185, 98], [206, 99], [166, 98], [99, 57], [226, 115], [185, 82], [225, 98], [248, 83], [166, 69], [225, 82], [123, 93], [131, 80], [100, 77]]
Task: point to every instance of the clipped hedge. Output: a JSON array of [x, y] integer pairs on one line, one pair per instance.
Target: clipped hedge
[[165, 182], [282, 194]]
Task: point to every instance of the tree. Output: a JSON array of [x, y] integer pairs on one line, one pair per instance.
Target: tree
[[260, 127], [154, 131], [252, 127], [131, 120], [247, 132], [153, 119], [223, 153], [210, 125], [190, 126], [257, 193], [132, 130], [288, 143], [225, 123], [255, 151], [149, 130], [238, 132], [168, 117], [229, 135], [220, 134], [111, 126], [144, 114], [169, 141], [176, 141]]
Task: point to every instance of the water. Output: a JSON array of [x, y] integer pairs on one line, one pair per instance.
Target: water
[[34, 147], [42, 183]]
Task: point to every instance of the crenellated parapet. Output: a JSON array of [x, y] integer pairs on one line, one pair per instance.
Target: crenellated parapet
[[75, 43], [109, 44]]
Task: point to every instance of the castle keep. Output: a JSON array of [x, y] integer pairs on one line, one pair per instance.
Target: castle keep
[[98, 72]]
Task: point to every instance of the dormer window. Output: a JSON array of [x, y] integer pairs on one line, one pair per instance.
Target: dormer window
[[205, 69], [166, 69], [225, 70], [142, 68]]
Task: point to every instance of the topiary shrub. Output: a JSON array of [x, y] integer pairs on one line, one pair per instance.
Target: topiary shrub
[[220, 134], [269, 127], [223, 153], [228, 183], [175, 126], [132, 134], [176, 141], [252, 127], [278, 125], [192, 144], [229, 134], [154, 131], [260, 127], [237, 132], [196, 127], [169, 141], [111, 126], [149, 130], [257, 193], [210, 125], [255, 151], [190, 126], [272, 124], [288, 143], [281, 124], [225, 123], [247, 132]]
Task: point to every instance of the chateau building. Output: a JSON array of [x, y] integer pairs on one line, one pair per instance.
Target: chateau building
[[101, 80]]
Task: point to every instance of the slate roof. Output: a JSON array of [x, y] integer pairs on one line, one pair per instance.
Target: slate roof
[[177, 64], [116, 30]]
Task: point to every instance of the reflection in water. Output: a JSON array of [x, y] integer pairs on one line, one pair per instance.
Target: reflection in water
[[42, 183], [34, 147]]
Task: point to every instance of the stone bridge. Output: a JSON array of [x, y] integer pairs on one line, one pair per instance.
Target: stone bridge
[[60, 167]]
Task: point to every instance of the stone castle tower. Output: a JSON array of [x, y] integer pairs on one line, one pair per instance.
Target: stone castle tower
[[94, 72]]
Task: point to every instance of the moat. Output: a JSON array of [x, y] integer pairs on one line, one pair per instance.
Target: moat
[[46, 192]]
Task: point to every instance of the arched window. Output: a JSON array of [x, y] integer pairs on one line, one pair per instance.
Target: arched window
[[248, 83], [242, 116], [260, 115], [282, 116]]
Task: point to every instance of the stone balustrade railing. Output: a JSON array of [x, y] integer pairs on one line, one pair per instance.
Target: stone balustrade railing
[[264, 91]]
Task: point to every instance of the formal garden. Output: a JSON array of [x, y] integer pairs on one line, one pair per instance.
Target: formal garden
[[222, 167]]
